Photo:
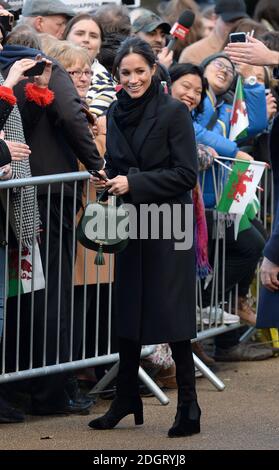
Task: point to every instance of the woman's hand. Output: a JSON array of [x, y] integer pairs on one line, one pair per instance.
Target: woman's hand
[[243, 156], [271, 105], [6, 172], [269, 275], [245, 70], [42, 81], [17, 150], [17, 70], [118, 185], [98, 184]]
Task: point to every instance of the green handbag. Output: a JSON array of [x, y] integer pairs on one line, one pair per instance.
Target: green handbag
[[104, 226]]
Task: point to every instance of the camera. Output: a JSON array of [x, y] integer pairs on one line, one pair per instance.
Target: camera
[[16, 13], [7, 21], [37, 69]]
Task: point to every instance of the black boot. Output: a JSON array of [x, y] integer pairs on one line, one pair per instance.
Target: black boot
[[127, 399], [8, 414], [187, 419], [119, 408]]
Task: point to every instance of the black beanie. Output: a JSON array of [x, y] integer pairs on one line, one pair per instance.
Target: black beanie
[[212, 57]]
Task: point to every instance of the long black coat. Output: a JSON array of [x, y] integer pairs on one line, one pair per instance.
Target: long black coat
[[155, 285], [268, 309]]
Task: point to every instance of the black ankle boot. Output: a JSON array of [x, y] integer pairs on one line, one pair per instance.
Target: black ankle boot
[[187, 420], [119, 408]]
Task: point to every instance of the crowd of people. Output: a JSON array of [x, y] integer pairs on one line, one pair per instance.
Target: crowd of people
[[114, 97]]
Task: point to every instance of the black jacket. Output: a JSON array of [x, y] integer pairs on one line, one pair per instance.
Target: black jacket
[[155, 284], [60, 134]]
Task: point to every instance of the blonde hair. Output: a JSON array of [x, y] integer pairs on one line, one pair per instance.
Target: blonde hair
[[68, 54], [47, 41]]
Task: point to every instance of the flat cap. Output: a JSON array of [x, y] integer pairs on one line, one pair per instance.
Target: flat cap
[[46, 8]]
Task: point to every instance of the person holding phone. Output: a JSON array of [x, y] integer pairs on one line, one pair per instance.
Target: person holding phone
[[151, 159], [59, 137], [16, 152], [228, 13], [253, 52]]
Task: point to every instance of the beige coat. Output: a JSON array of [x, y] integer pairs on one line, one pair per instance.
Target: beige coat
[[91, 270]]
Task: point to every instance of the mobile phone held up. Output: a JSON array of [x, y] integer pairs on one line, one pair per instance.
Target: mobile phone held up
[[238, 37], [7, 22], [37, 69]]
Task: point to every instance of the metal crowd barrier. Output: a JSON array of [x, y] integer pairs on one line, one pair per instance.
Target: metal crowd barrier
[[213, 322], [25, 354]]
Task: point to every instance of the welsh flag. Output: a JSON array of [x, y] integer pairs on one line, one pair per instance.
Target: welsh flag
[[242, 222], [239, 117], [30, 266], [241, 186]]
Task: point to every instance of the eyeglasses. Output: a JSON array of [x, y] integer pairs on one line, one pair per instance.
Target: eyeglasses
[[79, 73], [221, 66]]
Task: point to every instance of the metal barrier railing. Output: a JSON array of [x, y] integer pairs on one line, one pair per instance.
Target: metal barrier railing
[[59, 198], [219, 303], [47, 319]]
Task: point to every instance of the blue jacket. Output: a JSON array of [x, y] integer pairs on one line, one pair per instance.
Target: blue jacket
[[218, 136]]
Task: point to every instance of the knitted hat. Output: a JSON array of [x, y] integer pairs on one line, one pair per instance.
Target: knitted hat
[[212, 57]]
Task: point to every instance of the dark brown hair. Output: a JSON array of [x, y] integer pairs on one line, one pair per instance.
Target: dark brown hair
[[133, 45], [77, 18]]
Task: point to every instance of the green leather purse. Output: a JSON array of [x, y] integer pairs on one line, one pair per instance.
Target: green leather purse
[[104, 226]]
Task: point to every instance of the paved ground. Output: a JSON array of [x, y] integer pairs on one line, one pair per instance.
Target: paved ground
[[244, 416]]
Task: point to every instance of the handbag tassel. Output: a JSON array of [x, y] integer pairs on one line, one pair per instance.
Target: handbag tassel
[[99, 258]]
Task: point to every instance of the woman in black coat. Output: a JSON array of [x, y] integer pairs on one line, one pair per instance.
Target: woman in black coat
[[151, 159]]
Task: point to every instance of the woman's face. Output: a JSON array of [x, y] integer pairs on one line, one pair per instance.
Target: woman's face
[[219, 74], [188, 89], [135, 75], [87, 34], [81, 75]]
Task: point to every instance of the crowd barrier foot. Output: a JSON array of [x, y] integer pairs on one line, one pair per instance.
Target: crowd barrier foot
[[143, 376], [206, 372]]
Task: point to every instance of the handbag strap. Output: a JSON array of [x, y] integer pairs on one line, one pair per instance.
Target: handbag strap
[[103, 195], [212, 120]]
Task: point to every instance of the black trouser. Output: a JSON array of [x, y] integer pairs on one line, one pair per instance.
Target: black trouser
[[127, 379], [241, 259], [90, 319]]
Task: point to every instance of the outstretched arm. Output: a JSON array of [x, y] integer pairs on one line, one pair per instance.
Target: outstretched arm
[[252, 52]]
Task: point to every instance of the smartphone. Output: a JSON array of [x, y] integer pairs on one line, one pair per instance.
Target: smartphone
[[37, 69], [98, 175], [267, 91], [238, 37], [7, 22]]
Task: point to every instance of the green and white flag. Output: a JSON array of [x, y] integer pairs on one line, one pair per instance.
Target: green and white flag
[[242, 222], [241, 187], [239, 117]]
